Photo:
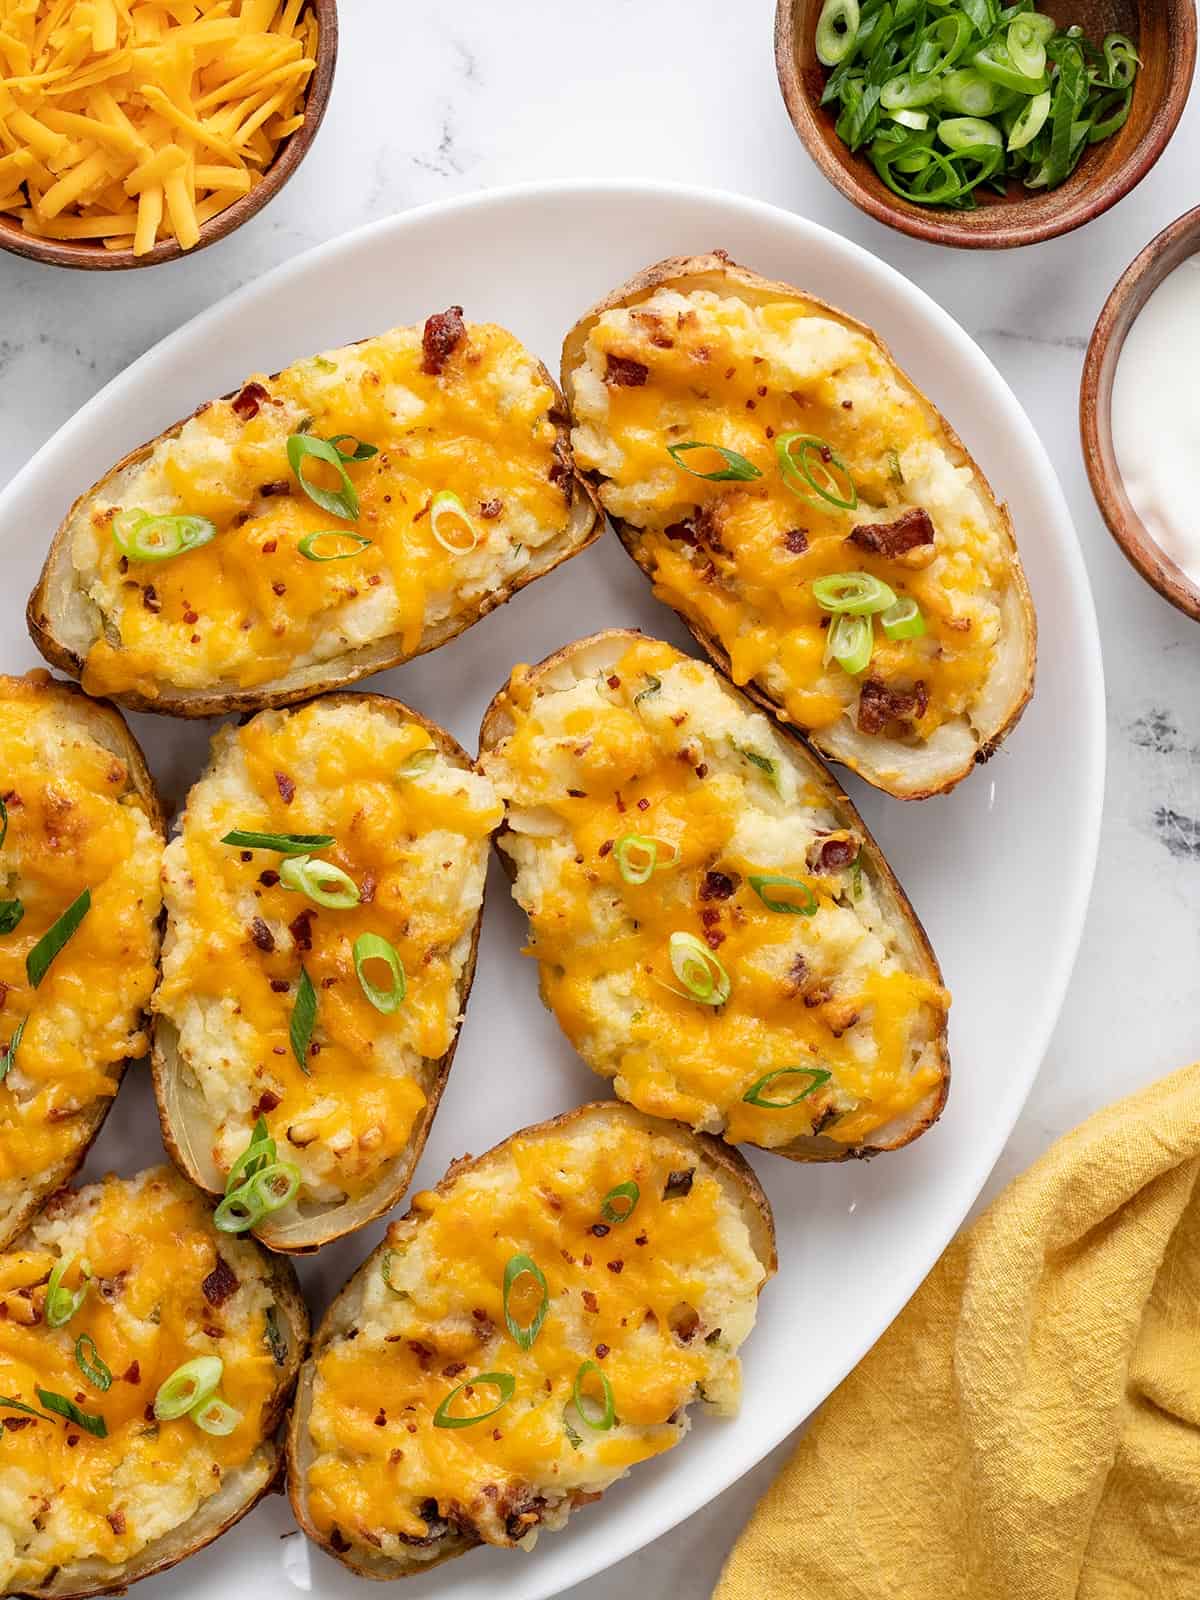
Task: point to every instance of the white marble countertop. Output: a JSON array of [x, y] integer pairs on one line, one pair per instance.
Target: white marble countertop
[[434, 100]]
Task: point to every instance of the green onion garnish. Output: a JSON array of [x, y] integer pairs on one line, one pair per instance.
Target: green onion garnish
[[620, 1202], [653, 685], [188, 1386], [603, 1421], [304, 1016], [37, 962], [321, 881], [11, 912], [698, 970], [341, 502], [385, 1271], [417, 764], [574, 1438], [91, 1364], [765, 764], [850, 642], [903, 620], [270, 1189], [756, 1094], [805, 905], [215, 1416], [259, 1153], [285, 844], [274, 1337], [341, 537], [374, 947], [809, 466], [7, 1403], [837, 30], [858, 593], [737, 469], [62, 1304], [361, 451], [503, 1382], [450, 525], [10, 1054], [142, 537], [523, 1266], [636, 855], [3, 821], [61, 1406]]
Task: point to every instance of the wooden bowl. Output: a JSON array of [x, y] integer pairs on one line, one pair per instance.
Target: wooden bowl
[[1165, 33], [1135, 286], [95, 258]]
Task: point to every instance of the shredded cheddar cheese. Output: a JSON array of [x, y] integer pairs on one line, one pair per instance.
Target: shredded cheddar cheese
[[659, 1303], [130, 122], [657, 748]]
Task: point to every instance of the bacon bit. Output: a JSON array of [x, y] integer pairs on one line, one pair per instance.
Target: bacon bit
[[280, 985], [702, 770], [625, 373], [577, 794], [395, 1457], [602, 852], [221, 1282], [287, 789], [614, 682], [453, 1370], [268, 492], [423, 1352], [268, 1100], [374, 580], [150, 599], [278, 588], [714, 938], [190, 616], [796, 540], [847, 405], [132, 1373], [261, 936], [702, 529], [15, 1424], [679, 1184], [616, 1266], [269, 878], [366, 889], [709, 916], [591, 1303], [891, 540], [381, 1418], [587, 1260], [490, 509], [643, 804], [718, 885], [338, 1539], [831, 855], [878, 705], [599, 1229], [642, 1239], [601, 1351], [116, 1521], [797, 974], [246, 404], [301, 929], [441, 337]]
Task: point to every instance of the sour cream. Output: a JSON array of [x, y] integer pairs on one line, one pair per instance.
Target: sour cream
[[1156, 418]]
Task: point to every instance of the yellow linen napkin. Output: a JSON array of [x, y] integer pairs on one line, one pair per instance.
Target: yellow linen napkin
[[1029, 1426]]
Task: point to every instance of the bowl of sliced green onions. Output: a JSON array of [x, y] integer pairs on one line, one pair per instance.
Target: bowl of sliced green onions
[[974, 123]]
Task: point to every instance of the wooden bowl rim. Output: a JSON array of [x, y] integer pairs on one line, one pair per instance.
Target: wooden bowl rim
[[95, 258], [941, 227], [1128, 297]]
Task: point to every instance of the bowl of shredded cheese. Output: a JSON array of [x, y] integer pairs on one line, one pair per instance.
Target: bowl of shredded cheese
[[135, 131]]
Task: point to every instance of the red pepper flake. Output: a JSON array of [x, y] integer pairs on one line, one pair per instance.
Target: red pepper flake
[[590, 1301], [287, 789], [796, 540], [643, 804], [190, 616], [614, 682]]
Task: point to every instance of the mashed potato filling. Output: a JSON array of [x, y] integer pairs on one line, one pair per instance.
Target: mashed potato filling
[[658, 1301], [75, 822], [249, 606], [413, 839], [659, 750], [738, 558], [65, 1494]]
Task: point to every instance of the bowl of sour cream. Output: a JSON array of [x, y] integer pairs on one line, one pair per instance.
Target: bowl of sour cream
[[1139, 416]]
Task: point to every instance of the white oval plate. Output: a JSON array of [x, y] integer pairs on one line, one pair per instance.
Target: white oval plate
[[999, 872]]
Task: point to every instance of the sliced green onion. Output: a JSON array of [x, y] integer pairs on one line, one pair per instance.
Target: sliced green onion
[[962, 134], [62, 1304], [522, 1266], [1026, 45], [903, 620], [374, 947], [446, 514], [91, 1364], [303, 1019], [737, 469], [623, 1192], [11, 912], [285, 844], [274, 1187], [215, 1416], [259, 1153], [603, 1421], [636, 855], [321, 881], [142, 537], [756, 1094], [274, 1337], [1030, 122], [574, 1438], [308, 545], [417, 764], [61, 1406], [809, 466], [858, 593], [805, 905], [698, 970], [765, 764], [1121, 59], [188, 1386], [918, 120], [341, 502], [385, 1271], [7, 1403], [850, 643], [37, 962], [3, 821], [837, 31], [653, 685], [239, 1211], [361, 451], [906, 92], [1110, 114], [10, 1054], [995, 64], [503, 1382], [968, 92]]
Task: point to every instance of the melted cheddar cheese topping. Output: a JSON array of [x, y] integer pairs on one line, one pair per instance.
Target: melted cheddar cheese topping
[[738, 559], [66, 1495], [249, 607], [658, 748], [75, 822], [237, 939], [659, 1302]]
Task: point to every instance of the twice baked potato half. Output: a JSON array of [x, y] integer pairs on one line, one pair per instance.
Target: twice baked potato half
[[81, 841], [358, 509], [145, 1363], [811, 516], [715, 929], [534, 1327], [323, 901]]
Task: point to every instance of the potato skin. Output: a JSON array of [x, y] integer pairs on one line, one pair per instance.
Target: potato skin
[[728, 1163], [56, 591], [604, 650], [718, 272], [166, 1067]]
